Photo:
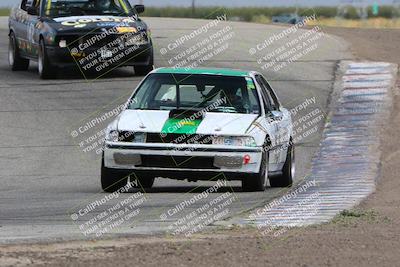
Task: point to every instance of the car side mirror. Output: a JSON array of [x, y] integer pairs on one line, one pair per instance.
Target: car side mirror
[[32, 11], [276, 115], [139, 8]]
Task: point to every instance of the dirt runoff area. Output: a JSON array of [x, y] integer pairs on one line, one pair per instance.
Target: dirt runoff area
[[369, 235]]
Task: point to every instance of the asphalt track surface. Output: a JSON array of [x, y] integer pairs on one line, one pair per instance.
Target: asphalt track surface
[[45, 176]]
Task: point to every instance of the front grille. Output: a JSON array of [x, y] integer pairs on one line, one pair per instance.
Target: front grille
[[180, 162], [179, 138], [87, 41], [126, 136], [90, 40]]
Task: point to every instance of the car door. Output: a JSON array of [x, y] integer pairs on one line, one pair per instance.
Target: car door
[[274, 153], [283, 122], [18, 24], [31, 28]]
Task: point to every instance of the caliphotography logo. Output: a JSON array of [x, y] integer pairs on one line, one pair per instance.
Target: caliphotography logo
[[193, 133]]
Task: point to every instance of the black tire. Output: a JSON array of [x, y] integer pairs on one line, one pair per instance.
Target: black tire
[[15, 61], [257, 182], [45, 69], [288, 171], [144, 181], [112, 180], [143, 70]]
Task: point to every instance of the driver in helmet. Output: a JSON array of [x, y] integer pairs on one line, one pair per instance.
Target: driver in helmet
[[232, 99]]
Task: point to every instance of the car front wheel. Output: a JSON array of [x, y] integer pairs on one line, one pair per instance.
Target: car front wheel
[[112, 180], [257, 182], [144, 70], [144, 181], [45, 69]]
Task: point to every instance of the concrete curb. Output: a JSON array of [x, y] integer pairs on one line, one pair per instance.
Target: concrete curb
[[345, 169]]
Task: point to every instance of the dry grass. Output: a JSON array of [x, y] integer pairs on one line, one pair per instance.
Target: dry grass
[[376, 23], [4, 11]]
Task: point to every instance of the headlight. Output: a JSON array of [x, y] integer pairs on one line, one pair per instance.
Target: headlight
[[125, 136], [234, 141], [138, 39], [112, 136], [63, 43]]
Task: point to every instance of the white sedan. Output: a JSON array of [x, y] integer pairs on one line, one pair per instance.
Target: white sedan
[[200, 124]]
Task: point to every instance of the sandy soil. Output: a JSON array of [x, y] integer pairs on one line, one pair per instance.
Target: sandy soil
[[371, 44], [367, 236]]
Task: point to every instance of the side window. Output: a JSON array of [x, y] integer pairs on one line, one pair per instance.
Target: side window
[[30, 3], [265, 96], [23, 5], [271, 93], [254, 105]]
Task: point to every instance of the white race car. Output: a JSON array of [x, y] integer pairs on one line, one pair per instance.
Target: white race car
[[200, 124]]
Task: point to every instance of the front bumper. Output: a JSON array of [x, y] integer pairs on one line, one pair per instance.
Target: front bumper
[[185, 159], [130, 56]]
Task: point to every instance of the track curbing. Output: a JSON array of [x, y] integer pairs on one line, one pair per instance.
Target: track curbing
[[347, 165]]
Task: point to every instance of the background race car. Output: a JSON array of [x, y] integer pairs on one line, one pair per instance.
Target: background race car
[[92, 35]]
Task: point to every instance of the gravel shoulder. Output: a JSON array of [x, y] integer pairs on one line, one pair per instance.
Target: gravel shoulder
[[366, 236], [371, 44]]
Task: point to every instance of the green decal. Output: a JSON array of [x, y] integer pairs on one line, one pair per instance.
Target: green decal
[[189, 71], [180, 126], [250, 83]]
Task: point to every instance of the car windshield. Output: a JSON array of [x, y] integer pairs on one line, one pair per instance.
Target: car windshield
[[211, 93], [65, 8]]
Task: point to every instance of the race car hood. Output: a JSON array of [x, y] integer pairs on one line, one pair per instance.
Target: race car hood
[[158, 121], [90, 23]]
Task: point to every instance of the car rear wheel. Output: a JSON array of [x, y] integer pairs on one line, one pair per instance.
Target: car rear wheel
[[257, 182], [288, 171], [45, 69], [14, 59], [112, 180]]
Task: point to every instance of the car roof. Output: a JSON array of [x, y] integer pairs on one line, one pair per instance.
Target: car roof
[[206, 71]]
